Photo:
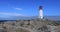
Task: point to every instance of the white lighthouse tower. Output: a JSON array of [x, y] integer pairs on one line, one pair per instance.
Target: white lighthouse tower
[[40, 12]]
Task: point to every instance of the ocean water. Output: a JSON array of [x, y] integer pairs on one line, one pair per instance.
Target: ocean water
[[56, 18]]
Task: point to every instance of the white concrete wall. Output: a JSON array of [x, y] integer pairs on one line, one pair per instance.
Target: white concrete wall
[[41, 14]]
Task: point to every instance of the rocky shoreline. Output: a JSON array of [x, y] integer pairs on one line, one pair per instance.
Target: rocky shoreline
[[37, 25]]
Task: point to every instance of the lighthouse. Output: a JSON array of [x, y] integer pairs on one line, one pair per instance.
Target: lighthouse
[[40, 12]]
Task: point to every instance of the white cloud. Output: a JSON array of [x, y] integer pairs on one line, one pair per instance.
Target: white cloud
[[18, 8], [10, 14]]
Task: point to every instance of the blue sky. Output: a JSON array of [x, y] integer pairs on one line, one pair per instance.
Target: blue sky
[[29, 7]]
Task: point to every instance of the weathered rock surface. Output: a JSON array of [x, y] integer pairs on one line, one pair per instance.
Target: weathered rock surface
[[36, 25]]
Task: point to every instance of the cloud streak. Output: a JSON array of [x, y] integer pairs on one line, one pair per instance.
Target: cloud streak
[[10, 14], [18, 8]]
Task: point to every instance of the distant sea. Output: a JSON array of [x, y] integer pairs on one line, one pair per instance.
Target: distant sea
[[56, 18]]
